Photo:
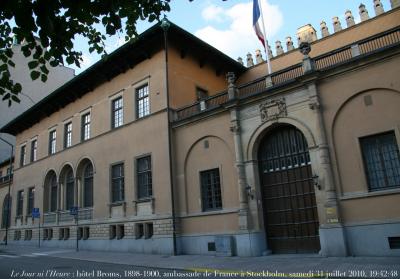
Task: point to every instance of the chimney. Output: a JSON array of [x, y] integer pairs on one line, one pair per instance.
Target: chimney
[[289, 44], [378, 7], [349, 18], [363, 12], [270, 52], [394, 3], [306, 33], [259, 57], [240, 60], [324, 29], [250, 62], [278, 48], [337, 26]]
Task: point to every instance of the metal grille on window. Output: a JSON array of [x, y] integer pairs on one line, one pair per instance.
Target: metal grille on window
[[144, 179], [117, 183], [211, 189], [118, 115], [88, 186], [70, 191], [382, 161], [142, 101]]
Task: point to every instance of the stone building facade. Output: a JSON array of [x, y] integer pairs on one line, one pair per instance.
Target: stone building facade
[[170, 147]]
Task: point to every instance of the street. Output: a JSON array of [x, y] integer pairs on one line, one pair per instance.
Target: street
[[24, 262], [43, 265]]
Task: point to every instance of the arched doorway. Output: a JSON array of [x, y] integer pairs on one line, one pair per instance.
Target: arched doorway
[[289, 205]]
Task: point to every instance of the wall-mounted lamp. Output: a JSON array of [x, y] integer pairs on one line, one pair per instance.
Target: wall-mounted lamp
[[249, 192], [316, 181]]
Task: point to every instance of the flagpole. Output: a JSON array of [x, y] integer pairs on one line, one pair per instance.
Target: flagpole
[[265, 39]]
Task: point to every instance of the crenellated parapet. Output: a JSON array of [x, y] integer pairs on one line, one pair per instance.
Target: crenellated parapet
[[307, 33]]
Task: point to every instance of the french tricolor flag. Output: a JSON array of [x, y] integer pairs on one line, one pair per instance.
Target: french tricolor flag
[[256, 22]]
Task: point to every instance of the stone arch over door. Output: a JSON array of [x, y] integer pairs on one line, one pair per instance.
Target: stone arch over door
[[287, 191]]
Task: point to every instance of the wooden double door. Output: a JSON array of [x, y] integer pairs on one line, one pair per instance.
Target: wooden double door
[[288, 196]]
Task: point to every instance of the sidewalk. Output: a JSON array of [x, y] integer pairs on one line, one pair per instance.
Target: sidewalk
[[368, 267]]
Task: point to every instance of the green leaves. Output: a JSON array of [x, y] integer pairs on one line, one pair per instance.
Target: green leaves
[[35, 75]]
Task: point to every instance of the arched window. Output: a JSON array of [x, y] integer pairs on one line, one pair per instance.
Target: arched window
[[88, 186], [53, 192], [69, 190], [6, 218]]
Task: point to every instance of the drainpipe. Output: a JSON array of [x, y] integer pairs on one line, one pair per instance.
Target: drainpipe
[[165, 26], [9, 189]]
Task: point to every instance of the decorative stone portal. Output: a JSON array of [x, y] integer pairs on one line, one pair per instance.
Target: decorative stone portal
[[289, 205]]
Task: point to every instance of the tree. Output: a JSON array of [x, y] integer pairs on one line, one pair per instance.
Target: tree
[[56, 23]]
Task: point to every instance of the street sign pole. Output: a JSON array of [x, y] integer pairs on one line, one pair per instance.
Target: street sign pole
[[75, 211], [39, 230], [36, 214]]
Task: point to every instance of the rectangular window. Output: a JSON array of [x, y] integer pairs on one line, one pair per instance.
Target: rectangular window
[[52, 142], [34, 150], [113, 231], [381, 160], [117, 183], [144, 179], [85, 127], [210, 190], [117, 112], [139, 230], [148, 230], [31, 200], [20, 202], [68, 135], [142, 101], [120, 231], [22, 156]]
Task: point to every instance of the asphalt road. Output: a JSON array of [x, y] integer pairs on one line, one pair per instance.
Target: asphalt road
[[26, 264], [43, 266]]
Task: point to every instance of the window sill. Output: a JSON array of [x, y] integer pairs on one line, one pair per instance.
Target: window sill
[[351, 196], [142, 200], [112, 204]]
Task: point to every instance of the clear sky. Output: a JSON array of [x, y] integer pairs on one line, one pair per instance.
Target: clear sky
[[227, 25]]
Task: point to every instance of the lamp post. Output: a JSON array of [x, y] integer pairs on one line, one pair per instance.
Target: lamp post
[[165, 25], [9, 188]]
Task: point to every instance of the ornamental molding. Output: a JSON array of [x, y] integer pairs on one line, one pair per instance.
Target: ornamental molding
[[273, 109]]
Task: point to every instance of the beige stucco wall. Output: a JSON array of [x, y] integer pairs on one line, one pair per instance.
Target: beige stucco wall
[[192, 157], [186, 74], [135, 138], [347, 118]]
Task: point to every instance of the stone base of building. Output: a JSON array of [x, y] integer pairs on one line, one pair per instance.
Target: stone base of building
[[241, 244], [162, 245], [333, 241], [372, 239]]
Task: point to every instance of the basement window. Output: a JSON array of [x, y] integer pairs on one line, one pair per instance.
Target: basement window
[[394, 242], [120, 231], [113, 231], [139, 230], [148, 230]]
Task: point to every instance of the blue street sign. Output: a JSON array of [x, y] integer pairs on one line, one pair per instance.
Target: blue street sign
[[35, 212], [73, 210]]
